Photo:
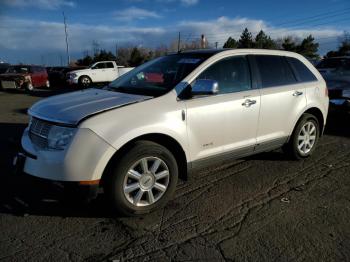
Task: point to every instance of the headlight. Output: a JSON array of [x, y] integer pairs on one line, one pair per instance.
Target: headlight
[[59, 137], [73, 75]]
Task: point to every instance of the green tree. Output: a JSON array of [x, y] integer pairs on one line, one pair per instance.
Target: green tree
[[344, 49], [308, 47], [231, 43], [85, 61], [103, 55], [289, 44], [246, 39], [136, 57], [264, 41]]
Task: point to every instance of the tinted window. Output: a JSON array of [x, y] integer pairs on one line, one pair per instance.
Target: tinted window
[[99, 66], [302, 72], [232, 74], [274, 71], [109, 65]]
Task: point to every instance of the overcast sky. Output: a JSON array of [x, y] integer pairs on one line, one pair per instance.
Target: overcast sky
[[31, 31]]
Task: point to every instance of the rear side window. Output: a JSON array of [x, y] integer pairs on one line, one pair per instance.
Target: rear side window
[[301, 71], [109, 65], [100, 66], [232, 74], [274, 71]]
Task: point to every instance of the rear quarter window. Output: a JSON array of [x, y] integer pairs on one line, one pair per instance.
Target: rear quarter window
[[301, 71], [274, 71]]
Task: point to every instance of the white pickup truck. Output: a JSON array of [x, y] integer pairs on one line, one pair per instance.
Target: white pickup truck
[[103, 71]]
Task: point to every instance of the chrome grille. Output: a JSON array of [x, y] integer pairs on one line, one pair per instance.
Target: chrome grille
[[38, 132]]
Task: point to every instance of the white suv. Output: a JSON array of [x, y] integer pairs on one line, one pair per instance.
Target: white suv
[[172, 115]]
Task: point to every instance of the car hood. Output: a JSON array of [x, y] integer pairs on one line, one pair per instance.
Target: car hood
[[72, 108], [80, 71]]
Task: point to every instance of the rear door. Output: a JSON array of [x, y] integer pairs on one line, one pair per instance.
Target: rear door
[[111, 71], [282, 100], [224, 125]]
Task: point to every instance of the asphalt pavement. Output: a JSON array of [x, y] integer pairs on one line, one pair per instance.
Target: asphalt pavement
[[261, 208]]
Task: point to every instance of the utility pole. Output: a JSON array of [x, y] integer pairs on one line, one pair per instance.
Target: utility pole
[[116, 50], [216, 45], [178, 42], [65, 31]]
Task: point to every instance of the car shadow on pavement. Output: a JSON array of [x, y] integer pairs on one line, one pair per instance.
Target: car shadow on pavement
[[23, 195], [338, 123]]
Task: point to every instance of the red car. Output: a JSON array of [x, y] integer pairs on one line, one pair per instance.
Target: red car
[[25, 77]]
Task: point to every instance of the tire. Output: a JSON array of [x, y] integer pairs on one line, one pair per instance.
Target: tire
[[29, 87], [84, 81], [128, 186], [298, 148]]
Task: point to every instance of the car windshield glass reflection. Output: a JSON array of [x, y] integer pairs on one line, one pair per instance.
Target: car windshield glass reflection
[[158, 76]]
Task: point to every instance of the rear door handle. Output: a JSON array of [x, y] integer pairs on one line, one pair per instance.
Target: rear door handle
[[297, 93], [248, 103]]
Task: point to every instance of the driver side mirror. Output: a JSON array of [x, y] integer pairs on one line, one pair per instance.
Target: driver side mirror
[[205, 87]]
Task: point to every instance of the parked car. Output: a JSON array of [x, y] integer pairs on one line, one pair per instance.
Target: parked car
[[329, 65], [4, 67], [135, 138], [58, 75], [339, 90], [24, 77], [104, 71]]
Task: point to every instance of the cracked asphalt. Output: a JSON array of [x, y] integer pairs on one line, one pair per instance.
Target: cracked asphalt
[[262, 208]]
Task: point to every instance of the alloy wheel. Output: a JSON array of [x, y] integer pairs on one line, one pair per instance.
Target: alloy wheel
[[307, 137], [146, 181]]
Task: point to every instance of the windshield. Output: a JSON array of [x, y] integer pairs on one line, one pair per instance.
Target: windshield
[[158, 76], [18, 69]]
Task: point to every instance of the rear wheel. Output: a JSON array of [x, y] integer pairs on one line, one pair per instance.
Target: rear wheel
[[29, 87], [304, 138], [144, 179]]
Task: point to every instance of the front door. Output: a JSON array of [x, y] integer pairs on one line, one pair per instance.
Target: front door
[[224, 124]]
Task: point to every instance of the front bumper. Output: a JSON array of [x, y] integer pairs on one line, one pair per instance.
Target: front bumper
[[84, 159], [72, 81]]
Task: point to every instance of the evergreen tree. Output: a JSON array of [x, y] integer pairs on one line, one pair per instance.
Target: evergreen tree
[[308, 47], [103, 55], [85, 61], [246, 39], [289, 44], [264, 41], [231, 43], [136, 58]]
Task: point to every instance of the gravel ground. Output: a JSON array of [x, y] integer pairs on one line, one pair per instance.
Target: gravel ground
[[261, 208]]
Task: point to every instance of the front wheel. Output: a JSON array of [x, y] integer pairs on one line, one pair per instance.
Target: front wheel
[[85, 81], [304, 138], [144, 179]]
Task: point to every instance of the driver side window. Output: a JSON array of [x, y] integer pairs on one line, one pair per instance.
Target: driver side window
[[232, 74], [99, 66]]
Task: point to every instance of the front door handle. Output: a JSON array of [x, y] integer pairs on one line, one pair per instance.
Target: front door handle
[[297, 93], [248, 103]]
